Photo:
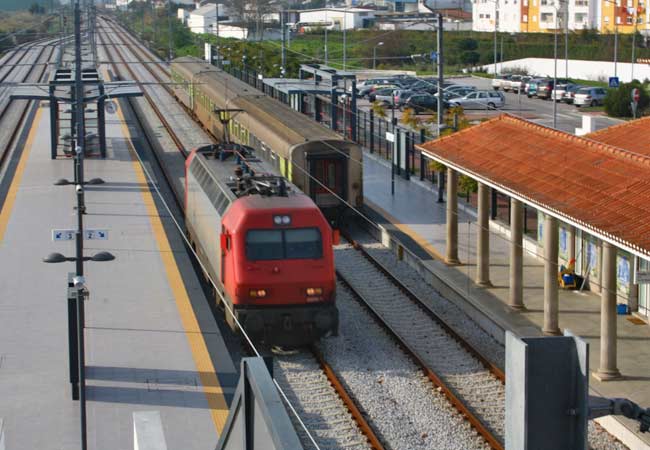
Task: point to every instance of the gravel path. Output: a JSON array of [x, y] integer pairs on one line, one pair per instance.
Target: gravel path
[[317, 404], [599, 438], [399, 402]]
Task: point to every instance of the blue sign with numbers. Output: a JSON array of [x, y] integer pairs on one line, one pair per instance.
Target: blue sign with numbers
[[613, 82]]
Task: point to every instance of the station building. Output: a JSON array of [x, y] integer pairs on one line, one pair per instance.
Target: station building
[[590, 194]]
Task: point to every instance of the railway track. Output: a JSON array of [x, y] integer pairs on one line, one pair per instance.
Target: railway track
[[473, 385], [311, 384], [14, 113]]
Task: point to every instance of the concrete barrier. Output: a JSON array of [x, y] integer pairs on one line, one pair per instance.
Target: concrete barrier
[[147, 431]]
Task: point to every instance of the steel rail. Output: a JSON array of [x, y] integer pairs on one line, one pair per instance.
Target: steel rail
[[358, 417], [456, 402], [20, 123], [151, 102], [415, 298]]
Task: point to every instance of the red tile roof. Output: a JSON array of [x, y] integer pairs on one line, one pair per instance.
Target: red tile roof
[[600, 188], [633, 136]]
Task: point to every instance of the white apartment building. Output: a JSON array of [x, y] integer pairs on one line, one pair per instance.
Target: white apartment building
[[516, 16], [506, 13]]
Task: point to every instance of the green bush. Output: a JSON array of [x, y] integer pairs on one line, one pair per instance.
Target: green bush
[[618, 101]]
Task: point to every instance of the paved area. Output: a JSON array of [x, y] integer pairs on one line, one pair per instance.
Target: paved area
[[152, 342], [413, 211], [536, 110]]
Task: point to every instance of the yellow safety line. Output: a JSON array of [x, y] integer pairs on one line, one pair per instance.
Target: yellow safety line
[[426, 245], [10, 200], [211, 386]]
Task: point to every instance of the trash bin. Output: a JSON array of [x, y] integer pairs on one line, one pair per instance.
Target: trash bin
[[622, 309]]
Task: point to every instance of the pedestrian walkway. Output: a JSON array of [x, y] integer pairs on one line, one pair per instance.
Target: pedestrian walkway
[[413, 211], [151, 340]]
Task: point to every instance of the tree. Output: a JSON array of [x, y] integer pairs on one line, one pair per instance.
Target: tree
[[618, 101]]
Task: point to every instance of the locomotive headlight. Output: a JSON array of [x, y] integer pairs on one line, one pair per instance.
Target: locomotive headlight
[[314, 291], [257, 293], [282, 220]]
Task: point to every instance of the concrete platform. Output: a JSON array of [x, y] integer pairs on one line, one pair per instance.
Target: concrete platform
[[152, 342], [413, 214]]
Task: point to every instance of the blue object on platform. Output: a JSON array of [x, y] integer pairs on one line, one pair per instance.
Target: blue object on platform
[[621, 309], [567, 278]]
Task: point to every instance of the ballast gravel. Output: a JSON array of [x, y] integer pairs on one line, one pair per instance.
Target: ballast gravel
[[401, 404], [599, 438], [321, 410]]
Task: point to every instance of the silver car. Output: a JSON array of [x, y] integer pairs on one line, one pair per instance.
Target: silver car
[[479, 100], [589, 96]]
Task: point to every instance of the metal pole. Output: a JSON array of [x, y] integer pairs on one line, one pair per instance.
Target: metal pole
[[566, 41], [169, 20], [555, 72], [374, 57], [441, 108], [79, 154], [283, 61], [392, 156], [345, 54], [633, 47], [326, 55], [615, 44], [496, 13]]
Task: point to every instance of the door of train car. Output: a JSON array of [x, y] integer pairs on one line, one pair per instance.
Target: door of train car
[[330, 180]]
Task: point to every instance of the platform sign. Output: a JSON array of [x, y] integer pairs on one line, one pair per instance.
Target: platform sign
[[89, 235], [614, 82], [642, 277]]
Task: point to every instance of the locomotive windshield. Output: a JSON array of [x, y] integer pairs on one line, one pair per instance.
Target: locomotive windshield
[[293, 243]]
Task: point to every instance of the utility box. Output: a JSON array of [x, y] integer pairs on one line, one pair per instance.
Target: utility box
[[547, 402]]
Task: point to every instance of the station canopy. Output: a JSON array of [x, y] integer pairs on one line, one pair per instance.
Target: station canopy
[[599, 188]]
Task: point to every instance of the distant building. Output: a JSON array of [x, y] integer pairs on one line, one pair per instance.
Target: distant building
[[336, 18], [534, 16], [204, 19], [183, 15]]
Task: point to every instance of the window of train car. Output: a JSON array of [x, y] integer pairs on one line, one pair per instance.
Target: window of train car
[[294, 243]]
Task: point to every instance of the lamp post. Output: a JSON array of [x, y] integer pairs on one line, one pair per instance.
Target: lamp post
[[613, 2], [496, 26], [374, 55]]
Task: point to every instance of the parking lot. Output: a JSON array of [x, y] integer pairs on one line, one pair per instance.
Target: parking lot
[[569, 117]]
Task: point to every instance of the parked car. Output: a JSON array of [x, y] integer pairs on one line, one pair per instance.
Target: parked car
[[545, 89], [423, 103], [571, 92], [531, 86], [506, 85], [498, 81], [589, 96], [366, 91], [383, 95], [560, 91], [518, 85], [479, 100], [459, 90], [401, 95]]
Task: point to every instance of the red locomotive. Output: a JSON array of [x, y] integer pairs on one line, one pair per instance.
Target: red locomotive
[[267, 247]]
